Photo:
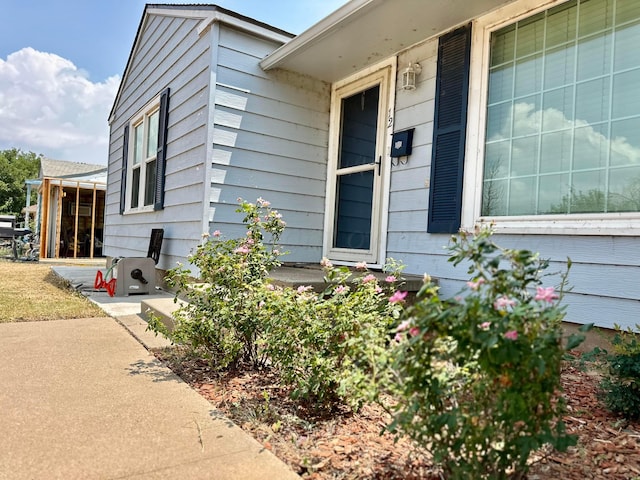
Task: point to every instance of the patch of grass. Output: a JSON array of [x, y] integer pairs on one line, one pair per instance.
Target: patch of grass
[[32, 292]]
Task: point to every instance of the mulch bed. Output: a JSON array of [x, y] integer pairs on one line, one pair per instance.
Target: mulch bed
[[343, 445]]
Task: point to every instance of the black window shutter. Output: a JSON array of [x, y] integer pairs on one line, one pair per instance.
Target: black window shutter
[[449, 131], [161, 157], [123, 173]]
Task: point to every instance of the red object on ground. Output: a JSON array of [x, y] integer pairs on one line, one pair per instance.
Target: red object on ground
[[109, 286]]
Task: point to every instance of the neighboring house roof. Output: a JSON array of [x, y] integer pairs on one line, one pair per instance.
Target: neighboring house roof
[[382, 28], [61, 169], [208, 14]]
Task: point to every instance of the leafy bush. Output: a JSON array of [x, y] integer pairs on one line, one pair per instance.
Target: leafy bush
[[221, 319], [478, 376], [621, 388], [328, 345]]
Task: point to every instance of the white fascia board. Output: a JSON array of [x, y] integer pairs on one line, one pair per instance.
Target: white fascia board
[[208, 17], [319, 30]]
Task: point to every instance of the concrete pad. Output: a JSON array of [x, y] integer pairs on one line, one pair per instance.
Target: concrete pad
[[82, 399]]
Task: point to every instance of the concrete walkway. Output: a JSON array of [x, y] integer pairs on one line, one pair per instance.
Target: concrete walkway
[[84, 399]]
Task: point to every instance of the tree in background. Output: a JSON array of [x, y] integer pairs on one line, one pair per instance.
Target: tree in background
[[16, 166]]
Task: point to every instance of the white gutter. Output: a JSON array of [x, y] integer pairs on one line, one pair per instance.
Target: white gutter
[[317, 31]]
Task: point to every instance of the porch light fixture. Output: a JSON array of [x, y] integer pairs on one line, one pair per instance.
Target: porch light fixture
[[409, 76]]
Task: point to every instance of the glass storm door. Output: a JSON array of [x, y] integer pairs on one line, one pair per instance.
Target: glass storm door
[[357, 161]]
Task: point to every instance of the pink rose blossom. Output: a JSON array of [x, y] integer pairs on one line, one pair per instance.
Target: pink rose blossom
[[270, 286], [341, 289], [546, 294], [503, 302], [242, 249], [276, 252], [485, 325], [414, 331], [361, 265], [398, 337], [378, 289], [304, 288], [403, 325], [326, 263], [390, 279], [369, 278], [511, 335], [216, 233], [475, 285], [398, 297]]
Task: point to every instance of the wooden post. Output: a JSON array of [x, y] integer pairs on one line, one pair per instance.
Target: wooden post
[[93, 220], [44, 219], [75, 227], [59, 219]]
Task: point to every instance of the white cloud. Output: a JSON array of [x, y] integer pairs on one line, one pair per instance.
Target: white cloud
[[49, 106]]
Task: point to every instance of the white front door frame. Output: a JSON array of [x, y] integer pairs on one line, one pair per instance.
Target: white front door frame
[[383, 74]]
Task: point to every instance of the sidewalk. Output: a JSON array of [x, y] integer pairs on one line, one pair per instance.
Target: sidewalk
[[84, 399]]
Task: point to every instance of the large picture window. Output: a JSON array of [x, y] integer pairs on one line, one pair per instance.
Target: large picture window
[[563, 112]]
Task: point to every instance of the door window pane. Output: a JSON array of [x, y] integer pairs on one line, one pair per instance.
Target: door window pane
[[354, 197], [359, 128]]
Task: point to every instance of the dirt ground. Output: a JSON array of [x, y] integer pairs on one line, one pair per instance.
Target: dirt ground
[[350, 446]]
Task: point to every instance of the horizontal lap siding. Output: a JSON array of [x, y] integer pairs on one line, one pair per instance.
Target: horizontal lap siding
[[605, 271], [407, 239], [270, 141], [170, 54]]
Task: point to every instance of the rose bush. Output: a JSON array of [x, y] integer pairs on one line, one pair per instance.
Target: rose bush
[[221, 320], [477, 376]]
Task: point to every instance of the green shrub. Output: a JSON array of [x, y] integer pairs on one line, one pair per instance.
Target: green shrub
[[222, 320], [621, 388], [478, 376], [331, 346]]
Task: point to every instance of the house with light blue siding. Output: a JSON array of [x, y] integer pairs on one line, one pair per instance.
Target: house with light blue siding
[[387, 127]]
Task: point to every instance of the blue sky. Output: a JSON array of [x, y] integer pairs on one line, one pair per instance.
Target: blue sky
[[61, 62]]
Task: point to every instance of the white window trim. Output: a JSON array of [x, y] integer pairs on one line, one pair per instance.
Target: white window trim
[[145, 112], [380, 219], [576, 224]]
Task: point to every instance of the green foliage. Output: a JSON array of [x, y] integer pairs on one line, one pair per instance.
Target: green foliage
[[222, 319], [332, 346], [16, 167], [621, 388], [478, 376]]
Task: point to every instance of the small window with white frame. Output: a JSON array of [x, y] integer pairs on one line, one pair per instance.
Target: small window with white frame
[[143, 148], [560, 126]]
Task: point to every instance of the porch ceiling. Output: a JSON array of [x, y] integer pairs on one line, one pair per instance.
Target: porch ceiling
[[364, 32]]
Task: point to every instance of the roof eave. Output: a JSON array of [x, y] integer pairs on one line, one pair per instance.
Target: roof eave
[[321, 29], [363, 33]]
